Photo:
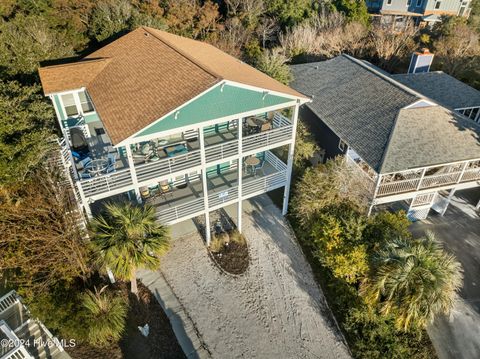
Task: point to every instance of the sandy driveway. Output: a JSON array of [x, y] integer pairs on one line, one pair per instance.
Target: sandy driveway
[[275, 310]]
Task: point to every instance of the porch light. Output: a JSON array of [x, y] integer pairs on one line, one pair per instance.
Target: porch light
[[176, 114], [265, 93]]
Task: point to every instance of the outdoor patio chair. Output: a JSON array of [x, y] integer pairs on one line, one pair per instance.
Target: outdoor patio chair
[[112, 159], [85, 175], [84, 163], [267, 126], [110, 168], [259, 167]]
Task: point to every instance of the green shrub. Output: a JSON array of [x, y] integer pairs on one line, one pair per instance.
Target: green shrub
[[105, 315], [237, 237], [336, 235], [373, 336], [218, 242]]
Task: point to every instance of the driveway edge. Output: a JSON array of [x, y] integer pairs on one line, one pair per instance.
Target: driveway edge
[[183, 326]]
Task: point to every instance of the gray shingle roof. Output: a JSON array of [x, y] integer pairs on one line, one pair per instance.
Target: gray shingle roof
[[443, 88], [359, 106], [429, 136], [366, 108]]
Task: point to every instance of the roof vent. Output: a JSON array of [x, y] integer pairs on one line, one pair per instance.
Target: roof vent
[[146, 34], [420, 62], [316, 67]]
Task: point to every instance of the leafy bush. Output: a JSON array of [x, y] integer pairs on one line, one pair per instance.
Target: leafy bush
[[218, 242], [274, 64], [374, 336], [386, 226], [336, 235]]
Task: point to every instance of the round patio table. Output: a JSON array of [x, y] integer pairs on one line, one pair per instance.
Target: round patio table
[[252, 162], [97, 166]]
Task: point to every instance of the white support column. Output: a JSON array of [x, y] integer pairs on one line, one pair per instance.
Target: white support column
[[291, 150], [375, 191], [449, 198], [478, 205], [84, 201], [477, 117], [240, 175], [133, 173], [421, 179], [204, 184], [463, 171]]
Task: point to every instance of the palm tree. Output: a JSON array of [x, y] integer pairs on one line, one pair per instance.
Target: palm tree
[[129, 237], [414, 280], [104, 315]]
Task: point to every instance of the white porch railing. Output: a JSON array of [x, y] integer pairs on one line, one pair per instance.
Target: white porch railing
[[267, 138], [181, 212], [264, 184], [471, 175], [402, 186], [8, 300], [216, 199], [223, 150], [440, 180], [431, 181], [280, 121], [106, 183], [150, 170]]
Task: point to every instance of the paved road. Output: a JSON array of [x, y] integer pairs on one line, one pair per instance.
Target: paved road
[[457, 336], [274, 310]]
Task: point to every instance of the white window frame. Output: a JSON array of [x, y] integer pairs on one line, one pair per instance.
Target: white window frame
[[342, 145], [389, 2], [439, 2], [419, 3], [76, 98]]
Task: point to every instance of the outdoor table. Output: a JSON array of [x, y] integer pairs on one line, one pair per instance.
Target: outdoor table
[[252, 162], [97, 166]]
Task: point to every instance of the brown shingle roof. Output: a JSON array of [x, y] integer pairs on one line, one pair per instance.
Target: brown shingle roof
[[149, 74], [70, 76]]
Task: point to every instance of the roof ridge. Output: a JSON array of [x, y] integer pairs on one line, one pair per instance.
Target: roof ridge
[[385, 77], [387, 145], [185, 55], [79, 62]]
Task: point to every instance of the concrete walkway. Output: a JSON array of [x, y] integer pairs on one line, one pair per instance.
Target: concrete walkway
[[274, 310], [457, 336]]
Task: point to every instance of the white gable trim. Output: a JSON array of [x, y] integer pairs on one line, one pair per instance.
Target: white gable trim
[[259, 89], [421, 103]]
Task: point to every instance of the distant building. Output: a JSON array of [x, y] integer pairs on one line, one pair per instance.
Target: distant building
[[415, 136], [23, 337], [400, 13]]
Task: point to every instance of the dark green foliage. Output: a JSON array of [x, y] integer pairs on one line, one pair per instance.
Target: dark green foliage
[[386, 226], [354, 10], [290, 12], [26, 121], [373, 336]]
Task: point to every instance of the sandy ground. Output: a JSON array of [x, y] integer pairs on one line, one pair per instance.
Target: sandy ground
[[274, 310], [457, 335]]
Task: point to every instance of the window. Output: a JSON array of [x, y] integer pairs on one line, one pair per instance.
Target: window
[[409, 2], [437, 4], [389, 2], [419, 3], [69, 105], [85, 102], [342, 146]]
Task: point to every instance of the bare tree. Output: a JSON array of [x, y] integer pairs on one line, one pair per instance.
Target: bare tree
[[458, 50], [388, 45], [41, 242]]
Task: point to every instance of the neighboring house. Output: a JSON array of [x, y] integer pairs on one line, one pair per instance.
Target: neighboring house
[[411, 147], [399, 13], [23, 337], [174, 122]]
